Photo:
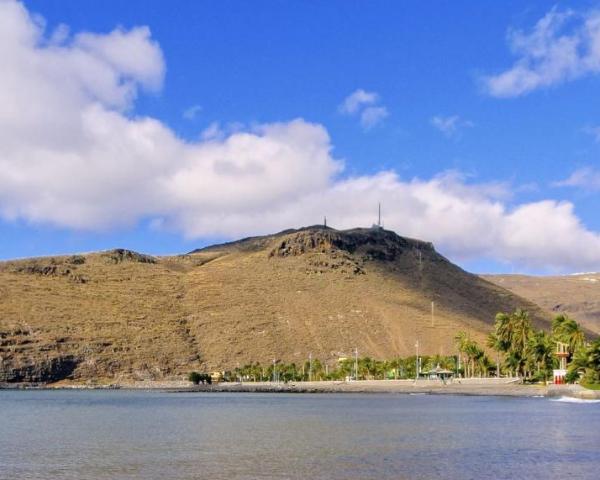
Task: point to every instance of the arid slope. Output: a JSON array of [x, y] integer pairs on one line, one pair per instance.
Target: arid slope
[[576, 295], [121, 315]]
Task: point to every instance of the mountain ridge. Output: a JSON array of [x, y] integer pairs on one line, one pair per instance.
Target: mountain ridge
[[576, 294], [120, 314]]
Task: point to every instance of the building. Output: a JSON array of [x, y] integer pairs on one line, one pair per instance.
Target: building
[[562, 352], [438, 373]]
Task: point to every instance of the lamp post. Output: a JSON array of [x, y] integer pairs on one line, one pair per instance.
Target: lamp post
[[417, 361]]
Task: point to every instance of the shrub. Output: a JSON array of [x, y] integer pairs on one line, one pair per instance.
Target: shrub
[[196, 378]]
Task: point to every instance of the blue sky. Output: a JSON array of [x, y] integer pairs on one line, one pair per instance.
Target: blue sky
[[424, 72]]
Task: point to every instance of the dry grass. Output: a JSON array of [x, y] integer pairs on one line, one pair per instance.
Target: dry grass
[[576, 295], [126, 317]]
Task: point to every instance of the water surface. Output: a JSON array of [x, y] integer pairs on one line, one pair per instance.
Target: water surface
[[153, 435]]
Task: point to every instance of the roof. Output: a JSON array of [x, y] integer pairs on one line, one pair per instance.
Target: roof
[[439, 370]]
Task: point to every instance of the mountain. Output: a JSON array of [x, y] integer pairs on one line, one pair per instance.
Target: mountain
[[576, 295], [122, 315]]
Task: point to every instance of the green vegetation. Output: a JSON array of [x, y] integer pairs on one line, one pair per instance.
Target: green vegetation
[[529, 353], [475, 360], [586, 363], [197, 378], [368, 369], [520, 350]]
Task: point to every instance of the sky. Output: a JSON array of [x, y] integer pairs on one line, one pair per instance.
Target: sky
[[166, 126]]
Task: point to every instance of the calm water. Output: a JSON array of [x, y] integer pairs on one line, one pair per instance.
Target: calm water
[[131, 435]]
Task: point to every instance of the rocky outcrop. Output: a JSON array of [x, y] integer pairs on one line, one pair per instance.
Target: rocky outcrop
[[120, 255], [54, 267], [30, 371], [369, 243]]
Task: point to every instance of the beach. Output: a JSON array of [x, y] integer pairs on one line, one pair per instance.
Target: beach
[[504, 387], [471, 386]]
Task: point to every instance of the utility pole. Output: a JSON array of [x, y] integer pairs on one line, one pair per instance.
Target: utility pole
[[355, 363], [417, 362], [497, 364], [379, 215]]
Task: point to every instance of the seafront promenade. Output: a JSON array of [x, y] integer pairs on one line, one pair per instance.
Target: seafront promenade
[[470, 386]]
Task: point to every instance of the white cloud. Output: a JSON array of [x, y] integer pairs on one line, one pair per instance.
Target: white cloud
[[586, 178], [72, 156], [365, 105], [562, 46], [450, 126], [371, 116], [357, 100], [192, 112]]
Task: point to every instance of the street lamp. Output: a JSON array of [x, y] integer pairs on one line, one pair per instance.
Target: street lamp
[[417, 362]]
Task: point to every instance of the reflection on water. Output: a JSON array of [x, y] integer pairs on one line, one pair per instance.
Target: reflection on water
[[152, 435]]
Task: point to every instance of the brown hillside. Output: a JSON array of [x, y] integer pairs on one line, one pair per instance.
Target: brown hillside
[[577, 295], [121, 315]]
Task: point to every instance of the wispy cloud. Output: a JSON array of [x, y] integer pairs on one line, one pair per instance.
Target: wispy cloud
[[192, 112], [562, 46], [356, 100], [586, 178], [366, 106], [450, 126], [371, 116]]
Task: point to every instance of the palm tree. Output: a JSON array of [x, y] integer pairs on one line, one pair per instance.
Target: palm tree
[[567, 330], [513, 362], [539, 351], [503, 331], [462, 342], [475, 354], [495, 343], [586, 360], [511, 335], [521, 332], [485, 364]]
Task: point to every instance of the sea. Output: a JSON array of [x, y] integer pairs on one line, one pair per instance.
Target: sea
[[119, 434]]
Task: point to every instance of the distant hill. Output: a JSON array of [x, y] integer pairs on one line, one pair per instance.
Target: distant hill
[[123, 315], [577, 295]]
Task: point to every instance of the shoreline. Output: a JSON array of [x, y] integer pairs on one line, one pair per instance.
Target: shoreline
[[467, 387]]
